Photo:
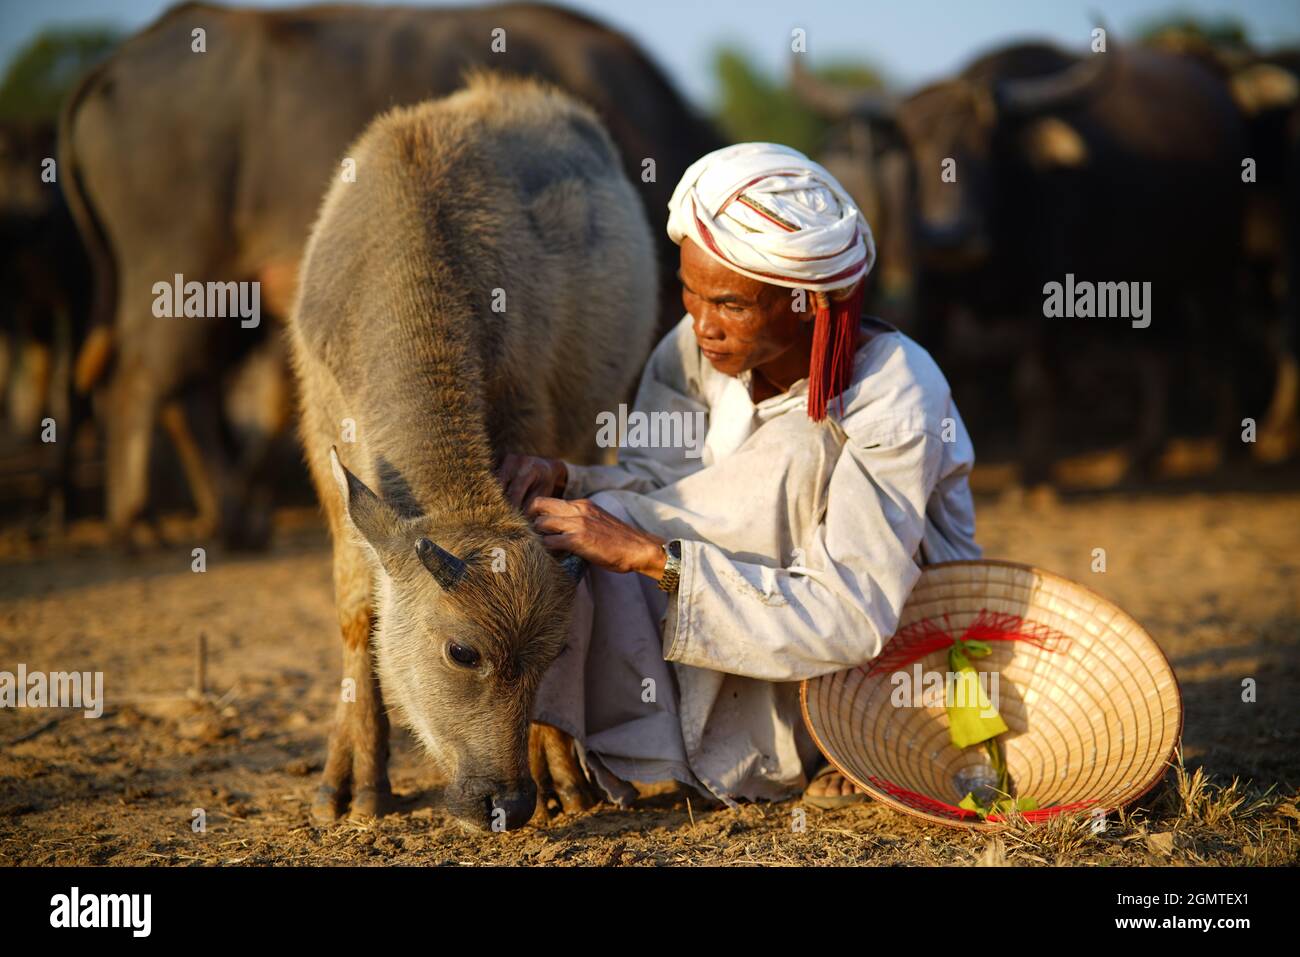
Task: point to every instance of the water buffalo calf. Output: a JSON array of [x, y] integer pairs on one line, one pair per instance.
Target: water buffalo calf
[[485, 284]]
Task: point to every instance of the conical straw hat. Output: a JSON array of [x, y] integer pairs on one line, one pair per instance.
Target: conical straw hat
[[1091, 704]]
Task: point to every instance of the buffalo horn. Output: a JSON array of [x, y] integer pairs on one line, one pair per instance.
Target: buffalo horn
[[445, 567], [574, 565], [836, 102], [1039, 94]]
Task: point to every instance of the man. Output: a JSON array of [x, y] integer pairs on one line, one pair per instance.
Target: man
[[833, 467]]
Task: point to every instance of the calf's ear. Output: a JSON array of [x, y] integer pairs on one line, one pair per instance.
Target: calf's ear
[[369, 514]]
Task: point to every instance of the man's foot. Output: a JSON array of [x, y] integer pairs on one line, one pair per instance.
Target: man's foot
[[830, 789]]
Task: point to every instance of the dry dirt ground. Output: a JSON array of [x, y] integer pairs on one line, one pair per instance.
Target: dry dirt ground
[[1215, 576]]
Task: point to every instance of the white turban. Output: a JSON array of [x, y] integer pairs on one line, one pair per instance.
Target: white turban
[[770, 213]]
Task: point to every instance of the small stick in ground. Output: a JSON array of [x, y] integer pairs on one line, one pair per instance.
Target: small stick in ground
[[200, 688]]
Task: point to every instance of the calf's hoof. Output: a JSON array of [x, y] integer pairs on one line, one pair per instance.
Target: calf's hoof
[[369, 804], [328, 804]]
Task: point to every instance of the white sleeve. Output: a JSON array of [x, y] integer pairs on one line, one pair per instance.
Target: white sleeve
[[670, 383], [837, 608]]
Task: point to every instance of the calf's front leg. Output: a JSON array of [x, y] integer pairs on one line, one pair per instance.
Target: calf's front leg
[[356, 769]]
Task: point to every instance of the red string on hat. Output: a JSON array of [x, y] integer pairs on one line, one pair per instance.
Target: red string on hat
[[927, 804], [928, 635]]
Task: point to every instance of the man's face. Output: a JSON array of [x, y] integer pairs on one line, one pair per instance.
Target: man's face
[[740, 322]]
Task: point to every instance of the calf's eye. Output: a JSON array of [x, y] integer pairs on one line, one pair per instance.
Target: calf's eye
[[462, 655]]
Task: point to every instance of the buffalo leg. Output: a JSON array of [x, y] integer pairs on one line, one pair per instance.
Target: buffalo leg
[[567, 776], [1278, 433], [133, 404], [200, 482], [213, 481], [1035, 395], [541, 772], [59, 480], [30, 388], [269, 377], [1153, 415], [356, 769], [553, 762]]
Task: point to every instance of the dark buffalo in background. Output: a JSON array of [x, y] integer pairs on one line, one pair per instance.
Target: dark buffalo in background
[[44, 302], [1119, 166], [211, 165], [1267, 89]]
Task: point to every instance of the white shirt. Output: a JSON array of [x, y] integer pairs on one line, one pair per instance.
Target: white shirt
[[897, 496]]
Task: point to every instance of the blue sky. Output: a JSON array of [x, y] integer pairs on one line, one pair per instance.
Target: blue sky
[[912, 40]]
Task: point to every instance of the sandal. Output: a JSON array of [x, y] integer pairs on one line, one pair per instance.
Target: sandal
[[828, 802]]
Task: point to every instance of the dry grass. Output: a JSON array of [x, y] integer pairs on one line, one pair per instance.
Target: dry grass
[[1189, 820]]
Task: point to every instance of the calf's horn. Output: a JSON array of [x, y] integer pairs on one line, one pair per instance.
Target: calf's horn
[[445, 567], [574, 565]]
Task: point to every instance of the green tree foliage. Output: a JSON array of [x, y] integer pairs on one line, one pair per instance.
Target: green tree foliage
[[43, 72], [1179, 31], [755, 107]]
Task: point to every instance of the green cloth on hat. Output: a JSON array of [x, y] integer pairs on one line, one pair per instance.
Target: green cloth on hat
[[971, 717]]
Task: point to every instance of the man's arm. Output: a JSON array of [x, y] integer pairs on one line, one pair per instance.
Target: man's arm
[[838, 607]]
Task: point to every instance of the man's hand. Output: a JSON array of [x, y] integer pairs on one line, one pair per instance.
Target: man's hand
[[524, 477], [587, 530]]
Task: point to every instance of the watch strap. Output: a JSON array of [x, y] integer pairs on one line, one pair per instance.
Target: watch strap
[[672, 566]]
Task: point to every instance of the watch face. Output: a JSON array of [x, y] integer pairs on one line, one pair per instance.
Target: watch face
[[675, 548]]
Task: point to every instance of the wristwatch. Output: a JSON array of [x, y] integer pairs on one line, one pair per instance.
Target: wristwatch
[[672, 565]]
